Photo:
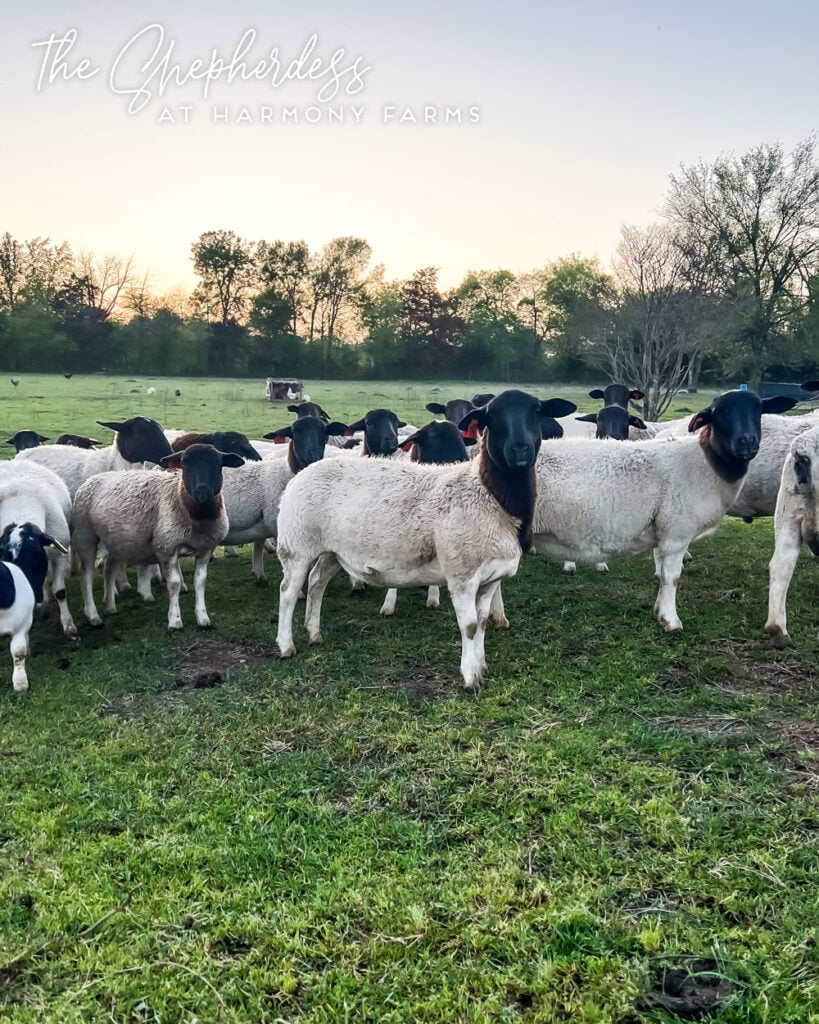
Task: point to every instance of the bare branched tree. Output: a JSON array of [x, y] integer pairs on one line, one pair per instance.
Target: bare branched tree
[[110, 277]]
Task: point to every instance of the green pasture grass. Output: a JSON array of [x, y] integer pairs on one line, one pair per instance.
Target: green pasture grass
[[348, 836]]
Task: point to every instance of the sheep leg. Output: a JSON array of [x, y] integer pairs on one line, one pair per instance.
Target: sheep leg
[[145, 576], [58, 563], [19, 649], [433, 597], [230, 551], [200, 579], [570, 568], [270, 546], [294, 573], [87, 584], [356, 583], [173, 578], [487, 596], [320, 575], [464, 601], [388, 607], [602, 567], [665, 607], [111, 576], [121, 580], [780, 568], [496, 610], [258, 561]]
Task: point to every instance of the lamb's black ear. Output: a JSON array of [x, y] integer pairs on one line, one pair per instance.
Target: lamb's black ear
[[324, 415], [275, 434], [778, 404], [172, 461], [353, 427], [702, 417], [557, 407], [635, 421], [810, 385], [636, 395], [475, 419], [590, 417], [292, 408], [435, 407], [231, 461], [40, 438], [597, 393], [111, 425], [336, 429], [470, 440], [415, 438], [51, 542], [399, 424]]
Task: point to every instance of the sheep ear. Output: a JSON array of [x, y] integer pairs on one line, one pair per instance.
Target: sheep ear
[[111, 425], [173, 461], [414, 439], [292, 408], [40, 438], [810, 385], [597, 393], [557, 407], [702, 417], [470, 440], [231, 461], [778, 404], [590, 417], [336, 429], [636, 395], [635, 421], [473, 422], [353, 427], [52, 542], [279, 435], [400, 423], [435, 407]]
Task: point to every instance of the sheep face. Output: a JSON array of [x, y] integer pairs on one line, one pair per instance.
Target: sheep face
[[140, 439], [380, 428], [201, 466], [77, 441], [617, 394], [512, 426], [734, 420], [26, 439], [24, 546], [307, 408], [454, 410], [308, 436], [439, 442], [613, 421]]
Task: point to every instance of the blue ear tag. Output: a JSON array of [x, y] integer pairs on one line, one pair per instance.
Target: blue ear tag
[[743, 387]]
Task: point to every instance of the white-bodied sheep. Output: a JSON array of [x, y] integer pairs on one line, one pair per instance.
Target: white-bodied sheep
[[145, 517], [605, 499], [23, 568], [399, 524], [795, 524], [138, 441], [33, 494]]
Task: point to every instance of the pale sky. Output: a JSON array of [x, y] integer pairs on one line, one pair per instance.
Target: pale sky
[[584, 111]]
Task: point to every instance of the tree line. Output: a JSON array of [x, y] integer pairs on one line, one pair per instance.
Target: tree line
[[724, 286]]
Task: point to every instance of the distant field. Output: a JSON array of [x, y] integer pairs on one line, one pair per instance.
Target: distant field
[[192, 830], [52, 405]]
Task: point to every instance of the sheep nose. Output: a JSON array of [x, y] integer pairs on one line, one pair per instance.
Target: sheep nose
[[747, 446], [201, 494], [520, 454]]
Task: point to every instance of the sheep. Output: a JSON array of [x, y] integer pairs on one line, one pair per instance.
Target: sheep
[[23, 567], [667, 495], [454, 410], [617, 394], [795, 524], [144, 517], [32, 493], [221, 440], [308, 408], [25, 439], [138, 440], [252, 495], [78, 441], [380, 427], [399, 524]]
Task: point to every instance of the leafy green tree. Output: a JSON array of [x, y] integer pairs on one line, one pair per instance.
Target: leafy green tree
[[226, 268], [285, 268]]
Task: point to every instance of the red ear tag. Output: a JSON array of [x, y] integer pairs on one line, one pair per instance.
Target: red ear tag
[[349, 433], [405, 447], [280, 440], [472, 430]]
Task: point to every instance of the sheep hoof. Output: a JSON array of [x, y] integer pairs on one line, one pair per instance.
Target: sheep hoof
[[386, 612], [287, 652], [499, 621], [473, 687], [317, 638], [261, 581], [433, 604], [175, 627], [602, 567], [70, 632], [204, 625], [779, 638], [96, 623], [20, 686], [672, 627]]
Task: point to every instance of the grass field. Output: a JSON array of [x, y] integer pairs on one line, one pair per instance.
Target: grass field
[[191, 830]]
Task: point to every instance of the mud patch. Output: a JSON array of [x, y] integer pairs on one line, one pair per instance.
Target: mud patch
[[417, 679], [205, 665], [691, 992]]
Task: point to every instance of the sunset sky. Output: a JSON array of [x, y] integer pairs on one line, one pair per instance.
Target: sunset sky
[[584, 111]]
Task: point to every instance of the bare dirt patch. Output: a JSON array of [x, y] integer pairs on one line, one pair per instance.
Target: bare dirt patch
[[693, 991], [710, 726], [207, 664], [417, 679], [751, 669]]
